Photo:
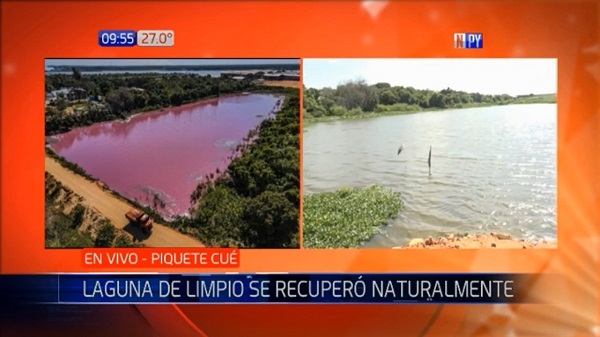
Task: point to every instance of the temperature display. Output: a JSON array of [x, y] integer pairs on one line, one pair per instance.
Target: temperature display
[[155, 38]]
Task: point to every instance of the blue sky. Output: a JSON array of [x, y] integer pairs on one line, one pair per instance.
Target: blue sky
[[162, 62], [487, 76]]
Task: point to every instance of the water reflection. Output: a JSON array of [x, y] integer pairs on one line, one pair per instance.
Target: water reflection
[[493, 169]]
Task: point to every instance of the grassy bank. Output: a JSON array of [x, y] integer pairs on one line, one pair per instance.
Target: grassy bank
[[348, 217], [405, 109]]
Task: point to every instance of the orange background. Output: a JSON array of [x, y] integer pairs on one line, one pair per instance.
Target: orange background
[[567, 30]]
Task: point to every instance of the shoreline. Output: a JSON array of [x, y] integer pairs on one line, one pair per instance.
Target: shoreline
[[168, 220], [477, 241], [183, 106], [309, 121], [165, 108]]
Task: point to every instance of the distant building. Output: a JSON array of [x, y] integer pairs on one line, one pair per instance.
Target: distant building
[[270, 75], [69, 93], [76, 93], [60, 93], [288, 76], [232, 74]]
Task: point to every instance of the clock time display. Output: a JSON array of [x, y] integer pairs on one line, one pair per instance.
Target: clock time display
[[117, 38]]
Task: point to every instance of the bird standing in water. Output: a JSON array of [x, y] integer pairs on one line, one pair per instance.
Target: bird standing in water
[[429, 160]]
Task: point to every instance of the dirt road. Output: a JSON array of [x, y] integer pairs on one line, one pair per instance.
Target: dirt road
[[114, 209]]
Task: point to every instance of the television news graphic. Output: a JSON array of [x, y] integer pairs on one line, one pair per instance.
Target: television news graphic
[[156, 38], [117, 38], [266, 288], [161, 258], [468, 40]]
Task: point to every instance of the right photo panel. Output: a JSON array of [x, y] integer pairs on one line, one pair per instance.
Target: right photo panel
[[429, 153]]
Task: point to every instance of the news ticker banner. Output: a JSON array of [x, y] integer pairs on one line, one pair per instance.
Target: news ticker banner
[[263, 288]]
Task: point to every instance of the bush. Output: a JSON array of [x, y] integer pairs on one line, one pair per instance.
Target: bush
[[124, 241], [106, 235], [77, 215]]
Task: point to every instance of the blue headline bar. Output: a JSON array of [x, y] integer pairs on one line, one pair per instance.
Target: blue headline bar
[[262, 288]]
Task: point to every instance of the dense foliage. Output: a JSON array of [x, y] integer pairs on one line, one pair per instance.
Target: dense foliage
[[106, 236], [348, 217], [63, 229], [255, 202], [353, 98], [116, 96]]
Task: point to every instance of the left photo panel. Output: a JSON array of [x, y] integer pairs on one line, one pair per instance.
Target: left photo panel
[[172, 153]]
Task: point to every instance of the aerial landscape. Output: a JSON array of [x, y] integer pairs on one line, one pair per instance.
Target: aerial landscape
[[172, 153], [429, 153]]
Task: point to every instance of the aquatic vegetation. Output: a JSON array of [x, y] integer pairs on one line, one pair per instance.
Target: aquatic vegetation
[[348, 217]]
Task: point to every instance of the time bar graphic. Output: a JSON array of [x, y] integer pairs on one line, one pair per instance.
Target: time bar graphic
[[140, 38]]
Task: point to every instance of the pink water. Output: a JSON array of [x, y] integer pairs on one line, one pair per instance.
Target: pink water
[[163, 155]]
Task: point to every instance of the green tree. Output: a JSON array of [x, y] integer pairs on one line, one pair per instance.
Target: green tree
[[51, 111], [123, 241], [388, 97], [272, 220], [105, 87], [77, 215], [62, 104], [437, 100], [140, 100], [382, 85], [120, 100], [106, 235], [76, 74]]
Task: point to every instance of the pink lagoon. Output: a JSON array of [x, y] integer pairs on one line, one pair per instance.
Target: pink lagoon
[[158, 158]]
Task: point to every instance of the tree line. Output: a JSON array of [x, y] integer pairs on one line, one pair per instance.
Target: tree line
[[120, 95], [356, 97], [255, 202]]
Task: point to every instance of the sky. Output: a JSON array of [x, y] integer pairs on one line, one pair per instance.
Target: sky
[[162, 62], [486, 76]]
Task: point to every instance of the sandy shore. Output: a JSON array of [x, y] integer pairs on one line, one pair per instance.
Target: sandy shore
[[492, 240]]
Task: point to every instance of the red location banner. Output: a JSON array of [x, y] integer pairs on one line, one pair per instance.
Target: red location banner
[[162, 258]]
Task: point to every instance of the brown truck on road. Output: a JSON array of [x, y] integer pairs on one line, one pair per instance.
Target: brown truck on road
[[140, 219]]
